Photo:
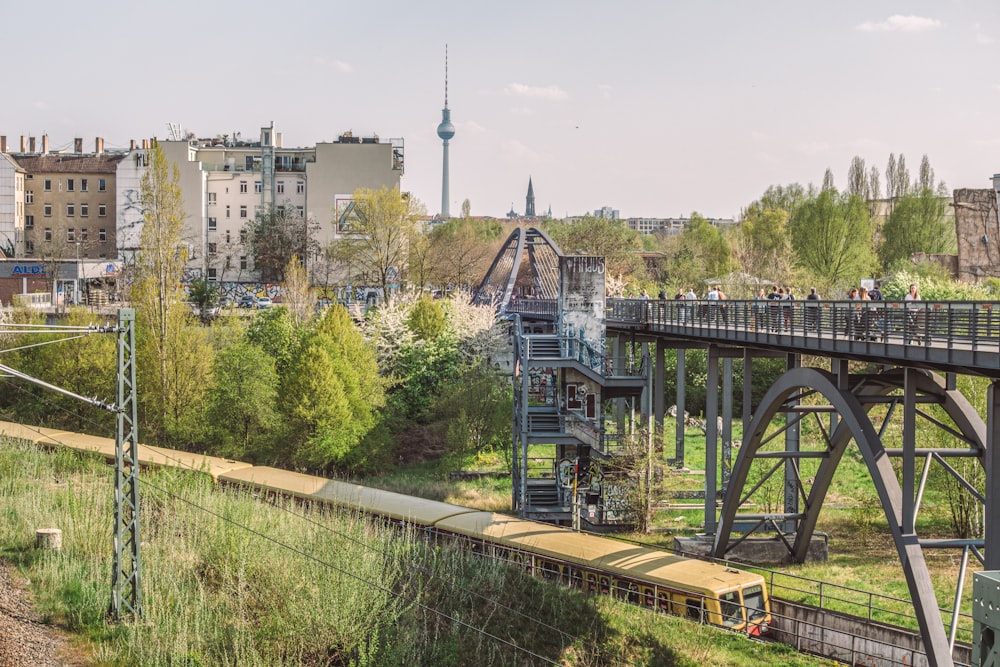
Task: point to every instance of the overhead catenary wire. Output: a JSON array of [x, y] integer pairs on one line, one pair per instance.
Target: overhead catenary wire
[[499, 605]]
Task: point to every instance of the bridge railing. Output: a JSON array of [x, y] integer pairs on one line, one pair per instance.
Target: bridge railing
[[939, 323]]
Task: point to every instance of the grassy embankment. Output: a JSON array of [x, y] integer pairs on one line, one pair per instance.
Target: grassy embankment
[[231, 580]]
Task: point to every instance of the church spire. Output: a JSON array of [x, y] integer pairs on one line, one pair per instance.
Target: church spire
[[529, 202]]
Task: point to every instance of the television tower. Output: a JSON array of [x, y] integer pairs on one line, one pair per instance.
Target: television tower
[[446, 131]]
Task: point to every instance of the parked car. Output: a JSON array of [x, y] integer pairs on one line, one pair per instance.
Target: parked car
[[263, 302], [247, 301]]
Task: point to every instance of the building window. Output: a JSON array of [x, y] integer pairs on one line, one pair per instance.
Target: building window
[[213, 275], [69, 185], [211, 198], [227, 236], [281, 187], [243, 262], [258, 187], [301, 210], [70, 235], [243, 211], [48, 234], [227, 210], [84, 210], [29, 247], [29, 197], [243, 187], [102, 185], [48, 185], [102, 210], [212, 249], [29, 222], [212, 224], [300, 187], [84, 235], [102, 235], [243, 237], [83, 185], [47, 210], [70, 210]]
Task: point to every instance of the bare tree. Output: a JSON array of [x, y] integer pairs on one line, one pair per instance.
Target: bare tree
[[857, 178], [828, 181]]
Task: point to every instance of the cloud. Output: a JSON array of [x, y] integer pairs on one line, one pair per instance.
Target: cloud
[[551, 93], [522, 111], [339, 65], [471, 127], [758, 137], [606, 90], [900, 23], [41, 106]]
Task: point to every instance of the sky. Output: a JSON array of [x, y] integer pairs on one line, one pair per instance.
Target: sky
[[654, 108]]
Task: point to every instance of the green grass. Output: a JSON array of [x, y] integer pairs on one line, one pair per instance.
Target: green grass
[[230, 580]]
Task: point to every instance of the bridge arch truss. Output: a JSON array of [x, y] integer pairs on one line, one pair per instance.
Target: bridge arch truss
[[860, 409], [526, 265]]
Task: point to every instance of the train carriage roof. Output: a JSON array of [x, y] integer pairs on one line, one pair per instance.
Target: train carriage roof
[[147, 455], [600, 552], [387, 504]]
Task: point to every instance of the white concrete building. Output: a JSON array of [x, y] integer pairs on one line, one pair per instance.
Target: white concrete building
[[11, 204], [225, 182]]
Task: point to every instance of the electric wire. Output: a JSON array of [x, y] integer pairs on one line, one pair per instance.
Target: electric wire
[[447, 581], [273, 502]]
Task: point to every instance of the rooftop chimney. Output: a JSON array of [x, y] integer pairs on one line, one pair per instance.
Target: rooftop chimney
[[45, 144], [145, 144], [3, 143], [99, 145], [78, 145], [24, 144], [31, 144], [131, 145]]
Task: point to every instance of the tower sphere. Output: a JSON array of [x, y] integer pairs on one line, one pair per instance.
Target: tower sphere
[[445, 129]]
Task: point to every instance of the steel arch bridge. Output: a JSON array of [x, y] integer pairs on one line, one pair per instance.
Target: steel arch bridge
[[803, 394], [511, 277]]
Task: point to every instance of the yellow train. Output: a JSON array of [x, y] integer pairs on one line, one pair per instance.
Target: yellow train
[[654, 579]]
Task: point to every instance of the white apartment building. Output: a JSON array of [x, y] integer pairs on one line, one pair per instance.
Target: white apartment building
[[225, 182], [11, 204]]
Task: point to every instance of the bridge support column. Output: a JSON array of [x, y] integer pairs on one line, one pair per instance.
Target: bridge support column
[[727, 420], [681, 382], [792, 444], [711, 439], [659, 376], [992, 461]]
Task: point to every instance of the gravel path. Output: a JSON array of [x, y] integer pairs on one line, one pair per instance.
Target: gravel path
[[24, 639]]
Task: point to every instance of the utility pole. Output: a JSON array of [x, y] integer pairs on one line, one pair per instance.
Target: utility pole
[[126, 576]]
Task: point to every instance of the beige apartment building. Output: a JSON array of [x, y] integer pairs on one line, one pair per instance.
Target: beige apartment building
[[69, 203]]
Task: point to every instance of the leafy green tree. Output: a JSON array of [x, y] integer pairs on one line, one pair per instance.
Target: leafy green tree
[[84, 365], [275, 236], [762, 244], [205, 296], [273, 330], [832, 236], [708, 245], [427, 318], [242, 404], [376, 247], [332, 393], [422, 369], [477, 409], [599, 236], [917, 224], [297, 293], [461, 251], [174, 358]]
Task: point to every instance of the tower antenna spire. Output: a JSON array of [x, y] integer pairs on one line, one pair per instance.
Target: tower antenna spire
[[445, 76], [445, 130]]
